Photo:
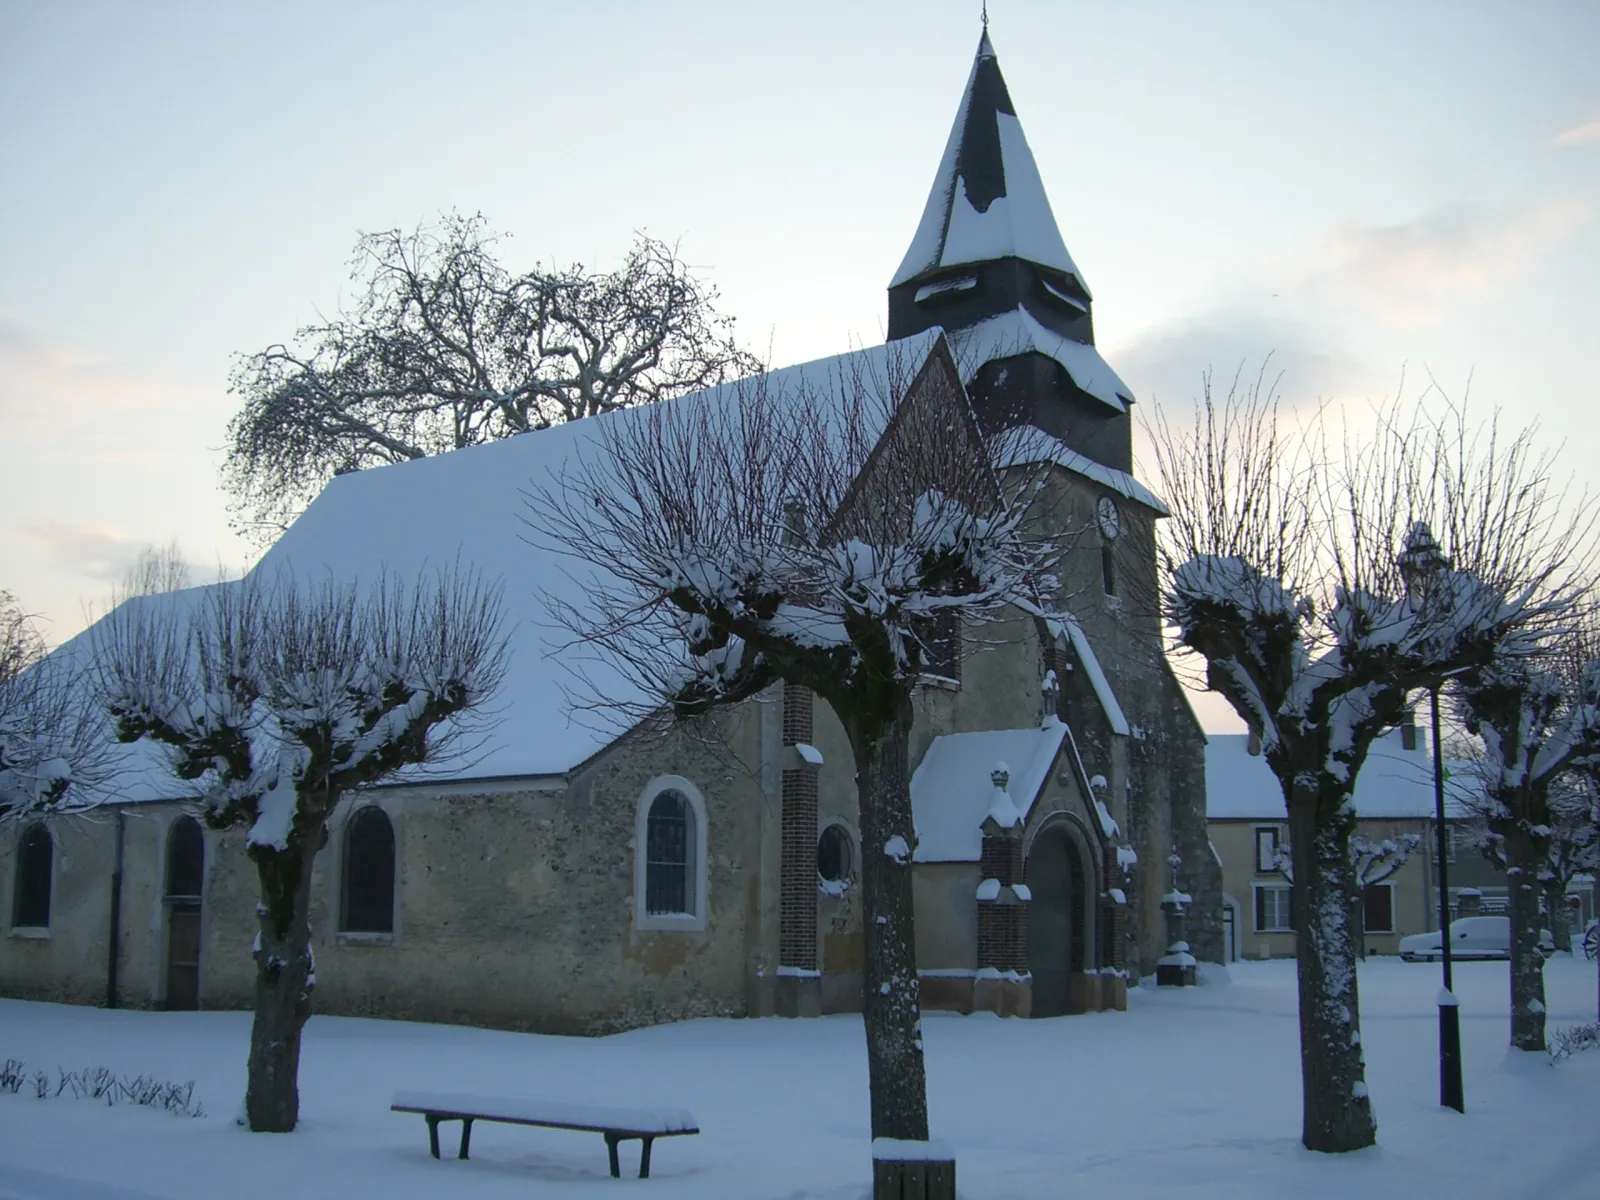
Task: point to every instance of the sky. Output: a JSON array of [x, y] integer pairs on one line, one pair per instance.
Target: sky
[[1375, 194]]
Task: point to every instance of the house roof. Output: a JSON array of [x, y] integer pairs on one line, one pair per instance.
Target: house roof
[[987, 200], [1393, 784], [951, 791]]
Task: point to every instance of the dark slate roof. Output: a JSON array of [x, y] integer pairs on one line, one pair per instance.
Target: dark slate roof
[[988, 201]]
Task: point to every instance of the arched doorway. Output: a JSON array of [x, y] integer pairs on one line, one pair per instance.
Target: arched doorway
[[1058, 918], [186, 858]]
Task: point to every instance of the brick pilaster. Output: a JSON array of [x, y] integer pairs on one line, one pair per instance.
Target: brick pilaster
[[797, 899]]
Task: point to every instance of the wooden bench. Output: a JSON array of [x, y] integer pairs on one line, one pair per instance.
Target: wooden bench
[[617, 1124]]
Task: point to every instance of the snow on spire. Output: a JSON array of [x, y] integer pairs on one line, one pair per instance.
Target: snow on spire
[[988, 201]]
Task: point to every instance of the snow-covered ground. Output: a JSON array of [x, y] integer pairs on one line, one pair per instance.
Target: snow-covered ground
[[1188, 1094]]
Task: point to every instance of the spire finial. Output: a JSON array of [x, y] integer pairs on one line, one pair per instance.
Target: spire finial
[[986, 14]]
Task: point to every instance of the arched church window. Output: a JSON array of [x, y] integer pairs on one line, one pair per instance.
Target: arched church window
[[368, 894], [835, 858], [668, 838], [669, 861], [186, 858], [35, 861]]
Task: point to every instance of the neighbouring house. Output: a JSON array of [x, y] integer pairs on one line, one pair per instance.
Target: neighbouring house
[[578, 877], [1394, 798]]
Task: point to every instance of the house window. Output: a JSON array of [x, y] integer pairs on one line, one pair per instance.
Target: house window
[[186, 859], [1274, 908], [35, 861], [670, 861], [367, 903], [1266, 851], [1108, 569], [835, 855], [941, 645], [1377, 908], [1449, 844]]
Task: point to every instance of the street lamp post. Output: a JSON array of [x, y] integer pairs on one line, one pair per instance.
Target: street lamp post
[[1451, 1094], [1419, 562]]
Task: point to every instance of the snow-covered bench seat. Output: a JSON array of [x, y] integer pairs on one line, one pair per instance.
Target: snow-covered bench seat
[[617, 1124]]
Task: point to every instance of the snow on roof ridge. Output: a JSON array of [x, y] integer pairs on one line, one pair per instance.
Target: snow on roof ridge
[[1097, 676], [1000, 209], [1030, 444], [1019, 331]]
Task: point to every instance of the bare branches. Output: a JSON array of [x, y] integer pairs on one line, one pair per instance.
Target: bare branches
[[445, 348], [52, 739], [787, 527], [275, 697], [20, 641]]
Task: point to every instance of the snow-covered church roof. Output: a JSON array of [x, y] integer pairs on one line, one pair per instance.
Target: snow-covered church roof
[[987, 201]]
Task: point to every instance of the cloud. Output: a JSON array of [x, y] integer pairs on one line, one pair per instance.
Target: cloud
[[1410, 273], [1166, 366], [1589, 131], [49, 390], [96, 551]]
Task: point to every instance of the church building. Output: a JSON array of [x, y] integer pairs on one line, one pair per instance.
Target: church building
[[571, 878]]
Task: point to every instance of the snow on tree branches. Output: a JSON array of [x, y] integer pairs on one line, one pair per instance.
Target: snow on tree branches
[[446, 348]]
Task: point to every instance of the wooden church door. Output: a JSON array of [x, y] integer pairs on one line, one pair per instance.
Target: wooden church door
[[1051, 920]]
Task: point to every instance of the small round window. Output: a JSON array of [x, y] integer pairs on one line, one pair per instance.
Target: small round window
[[834, 854]]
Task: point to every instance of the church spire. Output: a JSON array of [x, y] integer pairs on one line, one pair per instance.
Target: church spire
[[987, 201], [987, 264]]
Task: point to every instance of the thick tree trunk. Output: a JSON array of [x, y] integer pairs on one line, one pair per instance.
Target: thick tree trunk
[[284, 981], [1336, 1112], [1523, 857], [889, 1003], [1555, 905]]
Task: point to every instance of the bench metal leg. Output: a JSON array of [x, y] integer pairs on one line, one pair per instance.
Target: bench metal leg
[[433, 1134], [644, 1158], [611, 1149], [466, 1135]]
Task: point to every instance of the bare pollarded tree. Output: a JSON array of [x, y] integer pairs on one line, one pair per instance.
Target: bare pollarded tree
[[273, 699], [444, 347], [1299, 564], [818, 534], [1536, 707]]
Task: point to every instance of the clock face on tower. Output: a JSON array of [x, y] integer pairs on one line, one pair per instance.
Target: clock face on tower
[[1109, 520]]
